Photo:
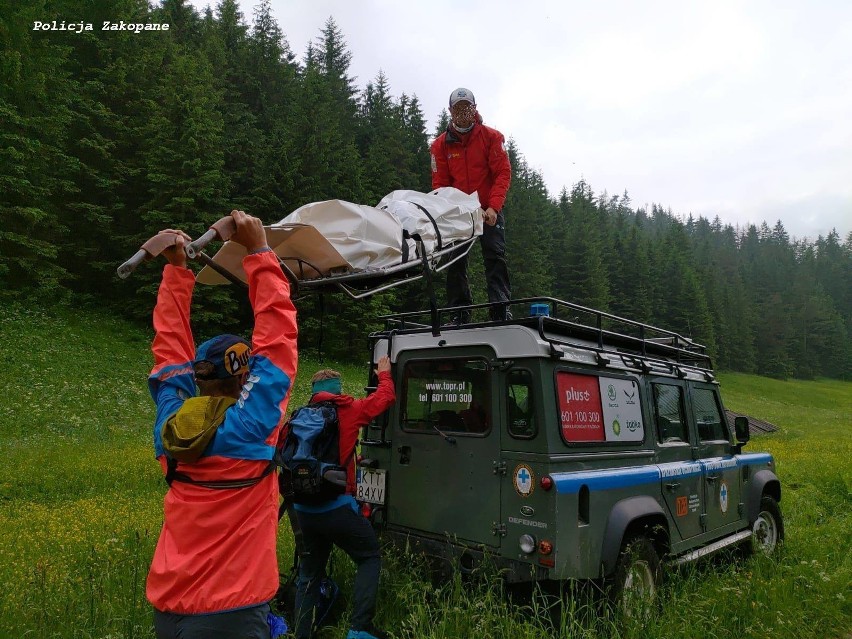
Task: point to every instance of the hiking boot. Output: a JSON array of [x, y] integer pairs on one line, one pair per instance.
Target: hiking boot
[[500, 313], [367, 633], [458, 319]]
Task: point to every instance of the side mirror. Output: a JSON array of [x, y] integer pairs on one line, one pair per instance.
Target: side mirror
[[741, 429]]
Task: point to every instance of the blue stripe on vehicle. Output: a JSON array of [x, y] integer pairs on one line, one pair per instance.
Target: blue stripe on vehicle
[[605, 479], [596, 480], [754, 458]]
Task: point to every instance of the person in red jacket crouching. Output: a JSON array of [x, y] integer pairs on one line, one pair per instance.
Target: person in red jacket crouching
[[472, 158], [338, 522]]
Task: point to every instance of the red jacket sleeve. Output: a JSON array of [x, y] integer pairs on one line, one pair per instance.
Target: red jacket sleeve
[[172, 334], [272, 368], [374, 405], [364, 410], [172, 380], [275, 332], [501, 169], [440, 167]]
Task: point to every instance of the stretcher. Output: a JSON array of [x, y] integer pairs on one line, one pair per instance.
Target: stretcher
[[362, 250]]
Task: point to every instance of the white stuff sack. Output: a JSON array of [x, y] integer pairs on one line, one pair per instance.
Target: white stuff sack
[[445, 213], [371, 237], [364, 236]]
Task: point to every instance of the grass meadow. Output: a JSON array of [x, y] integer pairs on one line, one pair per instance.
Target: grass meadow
[[80, 511]]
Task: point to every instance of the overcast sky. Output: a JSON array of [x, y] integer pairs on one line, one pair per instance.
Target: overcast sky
[[736, 109]]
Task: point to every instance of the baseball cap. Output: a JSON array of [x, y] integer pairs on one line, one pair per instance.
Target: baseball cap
[[461, 94], [229, 355]]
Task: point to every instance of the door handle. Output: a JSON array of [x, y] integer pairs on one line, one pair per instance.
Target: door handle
[[672, 486], [712, 478], [404, 455]]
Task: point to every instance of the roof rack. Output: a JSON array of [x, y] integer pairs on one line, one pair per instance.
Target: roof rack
[[563, 323]]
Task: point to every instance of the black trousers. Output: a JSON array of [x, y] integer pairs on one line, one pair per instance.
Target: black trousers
[[352, 533], [493, 242], [245, 623]]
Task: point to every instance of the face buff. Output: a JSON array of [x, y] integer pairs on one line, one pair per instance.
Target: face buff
[[463, 116], [332, 386]]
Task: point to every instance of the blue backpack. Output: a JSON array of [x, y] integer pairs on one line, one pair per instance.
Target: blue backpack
[[310, 456]]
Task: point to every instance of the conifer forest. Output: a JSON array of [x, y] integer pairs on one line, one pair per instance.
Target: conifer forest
[[109, 135]]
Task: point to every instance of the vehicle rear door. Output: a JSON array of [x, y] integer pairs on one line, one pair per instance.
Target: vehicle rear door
[[442, 479]]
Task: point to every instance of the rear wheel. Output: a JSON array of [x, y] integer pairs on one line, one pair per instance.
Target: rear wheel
[[638, 575], [768, 529]]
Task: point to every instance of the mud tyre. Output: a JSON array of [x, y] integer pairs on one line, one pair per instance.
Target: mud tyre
[[634, 587], [767, 531]]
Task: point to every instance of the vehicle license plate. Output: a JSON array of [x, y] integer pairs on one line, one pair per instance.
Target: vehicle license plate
[[371, 485]]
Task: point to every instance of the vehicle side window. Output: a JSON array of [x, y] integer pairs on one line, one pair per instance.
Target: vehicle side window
[[446, 396], [708, 418], [519, 406], [669, 413]]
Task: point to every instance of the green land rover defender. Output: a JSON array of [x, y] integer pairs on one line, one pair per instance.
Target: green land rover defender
[[565, 444]]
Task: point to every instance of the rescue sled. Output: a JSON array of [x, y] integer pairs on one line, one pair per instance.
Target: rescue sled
[[361, 250]]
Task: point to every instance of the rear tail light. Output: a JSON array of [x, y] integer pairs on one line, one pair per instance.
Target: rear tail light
[[546, 482], [545, 547], [366, 510]]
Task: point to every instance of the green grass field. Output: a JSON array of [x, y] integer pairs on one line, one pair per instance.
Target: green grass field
[[80, 510]]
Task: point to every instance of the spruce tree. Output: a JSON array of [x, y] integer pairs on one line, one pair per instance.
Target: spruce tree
[[416, 173], [381, 141], [529, 216], [184, 159], [630, 279], [36, 93], [581, 275], [272, 94], [111, 74]]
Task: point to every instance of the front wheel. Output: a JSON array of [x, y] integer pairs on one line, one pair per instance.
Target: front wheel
[[768, 529], [637, 578]]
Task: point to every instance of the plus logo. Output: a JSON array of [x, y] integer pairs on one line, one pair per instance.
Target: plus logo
[[524, 480], [723, 497]]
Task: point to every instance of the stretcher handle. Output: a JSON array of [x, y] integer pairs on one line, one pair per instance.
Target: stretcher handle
[[130, 265], [291, 277], [221, 270], [223, 229], [150, 249]]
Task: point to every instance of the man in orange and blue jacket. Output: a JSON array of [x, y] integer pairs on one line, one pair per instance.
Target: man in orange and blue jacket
[[215, 568]]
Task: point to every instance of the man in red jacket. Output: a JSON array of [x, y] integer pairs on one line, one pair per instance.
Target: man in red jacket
[[338, 521], [472, 158]]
